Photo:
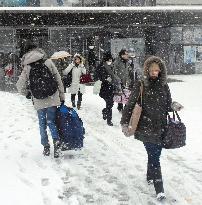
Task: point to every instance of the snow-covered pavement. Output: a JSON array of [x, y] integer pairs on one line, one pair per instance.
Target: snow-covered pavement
[[110, 170]]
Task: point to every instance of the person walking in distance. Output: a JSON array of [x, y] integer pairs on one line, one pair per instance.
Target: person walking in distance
[[77, 69], [104, 73], [124, 71]]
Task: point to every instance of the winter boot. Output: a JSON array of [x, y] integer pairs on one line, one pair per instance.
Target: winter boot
[[109, 123], [120, 107], [46, 150], [149, 174], [73, 104], [56, 144], [109, 117], [158, 184], [161, 196], [78, 105], [104, 114]]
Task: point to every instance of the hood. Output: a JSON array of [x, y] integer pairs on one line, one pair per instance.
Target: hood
[[163, 73], [33, 56]]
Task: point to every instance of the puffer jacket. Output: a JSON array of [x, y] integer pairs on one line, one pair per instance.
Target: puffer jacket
[[76, 74], [156, 103], [22, 83]]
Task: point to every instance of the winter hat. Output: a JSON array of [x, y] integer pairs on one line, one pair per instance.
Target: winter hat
[[107, 56], [162, 66], [122, 52]]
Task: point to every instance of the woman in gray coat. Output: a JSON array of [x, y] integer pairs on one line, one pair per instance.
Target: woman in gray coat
[[155, 106], [46, 108]]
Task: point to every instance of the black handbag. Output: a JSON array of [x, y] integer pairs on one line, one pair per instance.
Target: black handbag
[[174, 135]]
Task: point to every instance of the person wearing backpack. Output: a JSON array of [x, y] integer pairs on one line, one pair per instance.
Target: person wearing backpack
[[41, 77], [77, 69]]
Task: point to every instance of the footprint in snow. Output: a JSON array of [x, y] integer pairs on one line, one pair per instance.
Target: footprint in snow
[[69, 191], [123, 196], [23, 154], [89, 198], [45, 181], [88, 180], [26, 181]]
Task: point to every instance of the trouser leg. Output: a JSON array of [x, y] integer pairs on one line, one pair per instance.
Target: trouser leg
[[154, 153]]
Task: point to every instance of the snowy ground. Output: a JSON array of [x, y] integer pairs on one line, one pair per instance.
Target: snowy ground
[[110, 170]]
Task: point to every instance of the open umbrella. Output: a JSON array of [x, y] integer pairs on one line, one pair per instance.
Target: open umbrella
[[60, 54]]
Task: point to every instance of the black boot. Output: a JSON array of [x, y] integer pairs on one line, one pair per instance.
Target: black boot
[[149, 174], [73, 100], [109, 123], [120, 107], [56, 144], [158, 184], [109, 117], [73, 104], [46, 150], [104, 114], [78, 105]]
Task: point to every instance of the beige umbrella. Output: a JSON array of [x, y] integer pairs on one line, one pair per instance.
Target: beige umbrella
[[60, 54]]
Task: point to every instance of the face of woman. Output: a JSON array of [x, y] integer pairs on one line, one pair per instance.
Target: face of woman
[[154, 70], [77, 60]]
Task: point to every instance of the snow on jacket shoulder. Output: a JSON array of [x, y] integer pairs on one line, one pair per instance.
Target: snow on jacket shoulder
[[22, 83]]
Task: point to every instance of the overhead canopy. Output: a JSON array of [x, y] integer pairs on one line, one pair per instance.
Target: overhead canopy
[[99, 16]]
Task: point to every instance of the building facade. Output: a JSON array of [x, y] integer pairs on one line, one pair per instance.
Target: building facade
[[173, 34]]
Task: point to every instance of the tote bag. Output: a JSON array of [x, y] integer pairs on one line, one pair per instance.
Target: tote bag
[[175, 133], [135, 117]]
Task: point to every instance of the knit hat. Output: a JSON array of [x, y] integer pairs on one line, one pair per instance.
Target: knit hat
[[107, 56]]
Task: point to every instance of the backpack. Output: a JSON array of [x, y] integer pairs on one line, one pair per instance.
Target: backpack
[[70, 128], [42, 83]]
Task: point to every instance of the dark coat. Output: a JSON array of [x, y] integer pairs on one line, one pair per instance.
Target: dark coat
[[107, 88], [156, 103], [125, 72]]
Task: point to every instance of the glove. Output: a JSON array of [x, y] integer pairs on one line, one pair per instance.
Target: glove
[[125, 130], [109, 79], [62, 102], [176, 106]]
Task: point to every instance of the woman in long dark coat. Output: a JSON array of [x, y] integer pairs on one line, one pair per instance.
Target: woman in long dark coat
[[104, 73], [156, 103]]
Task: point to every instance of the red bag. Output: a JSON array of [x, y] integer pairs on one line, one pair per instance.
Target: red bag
[[9, 72], [86, 78]]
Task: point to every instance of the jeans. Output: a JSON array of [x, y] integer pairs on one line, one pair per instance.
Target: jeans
[[47, 116], [154, 167], [153, 153]]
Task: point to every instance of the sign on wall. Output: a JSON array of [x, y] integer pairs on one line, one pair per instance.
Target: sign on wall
[[18, 3], [189, 54], [199, 53]]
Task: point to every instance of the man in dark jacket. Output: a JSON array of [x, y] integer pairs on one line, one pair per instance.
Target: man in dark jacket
[[156, 103], [124, 71]]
